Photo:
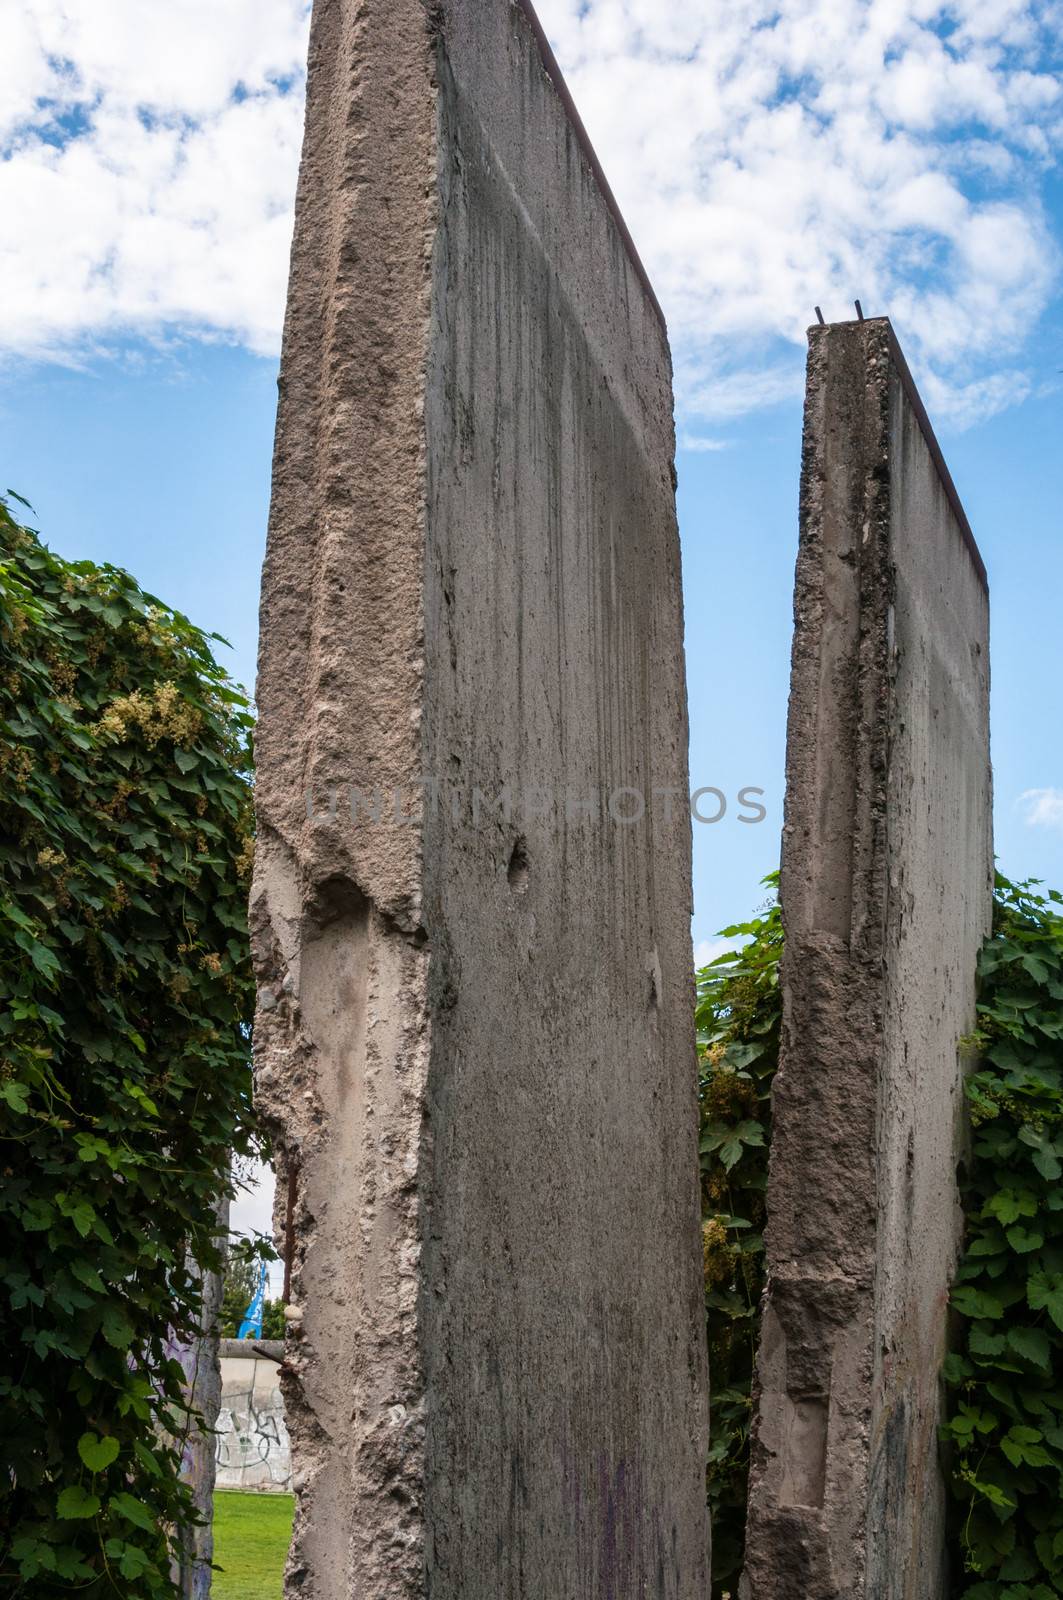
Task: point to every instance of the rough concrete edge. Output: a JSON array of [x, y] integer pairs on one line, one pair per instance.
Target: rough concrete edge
[[790, 1544], [915, 400], [294, 863]]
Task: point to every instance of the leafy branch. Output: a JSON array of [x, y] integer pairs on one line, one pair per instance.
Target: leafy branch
[[124, 1056], [1004, 1432], [739, 1012]]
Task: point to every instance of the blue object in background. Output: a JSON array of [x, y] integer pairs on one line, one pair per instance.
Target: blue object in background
[[251, 1327]]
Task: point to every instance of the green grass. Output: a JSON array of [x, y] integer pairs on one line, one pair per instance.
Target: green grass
[[251, 1534]]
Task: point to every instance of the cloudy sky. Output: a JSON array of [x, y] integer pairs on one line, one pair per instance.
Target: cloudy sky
[[768, 156]]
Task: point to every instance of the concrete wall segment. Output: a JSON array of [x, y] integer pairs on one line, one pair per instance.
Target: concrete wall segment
[[475, 1041], [886, 887]]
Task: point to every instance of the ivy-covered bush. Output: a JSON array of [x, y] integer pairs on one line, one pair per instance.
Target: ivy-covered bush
[[1004, 1431], [738, 1018], [125, 841], [1005, 1375]]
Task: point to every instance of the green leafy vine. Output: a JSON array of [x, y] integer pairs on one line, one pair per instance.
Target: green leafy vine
[[1003, 1435], [124, 1056], [1004, 1431], [739, 1012]]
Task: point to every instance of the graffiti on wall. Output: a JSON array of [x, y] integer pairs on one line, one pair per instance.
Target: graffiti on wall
[[251, 1448]]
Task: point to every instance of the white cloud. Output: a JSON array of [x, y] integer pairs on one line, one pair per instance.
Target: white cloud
[[149, 166], [707, 950], [770, 155], [251, 1211], [1044, 807], [700, 444]]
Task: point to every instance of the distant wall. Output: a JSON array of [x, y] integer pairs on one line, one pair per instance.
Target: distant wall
[[199, 1360], [251, 1448], [886, 897]]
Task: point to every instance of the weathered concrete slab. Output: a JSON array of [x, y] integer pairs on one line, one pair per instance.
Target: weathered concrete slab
[[475, 1025], [886, 886], [251, 1447]]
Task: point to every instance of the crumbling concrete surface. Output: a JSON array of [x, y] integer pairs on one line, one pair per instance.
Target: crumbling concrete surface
[[886, 892], [472, 884]]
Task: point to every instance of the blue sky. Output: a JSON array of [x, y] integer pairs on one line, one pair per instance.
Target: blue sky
[[768, 157]]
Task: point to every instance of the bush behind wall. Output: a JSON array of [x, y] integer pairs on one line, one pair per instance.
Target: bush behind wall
[[125, 846]]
